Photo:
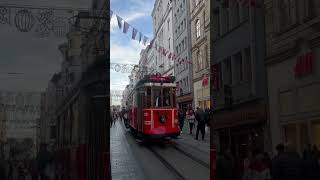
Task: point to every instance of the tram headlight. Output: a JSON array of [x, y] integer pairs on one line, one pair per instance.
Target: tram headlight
[[163, 119]]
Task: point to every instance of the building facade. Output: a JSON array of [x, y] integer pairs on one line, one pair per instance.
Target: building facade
[[20, 112], [200, 49], [293, 71], [163, 36], [182, 48], [3, 127], [239, 95]]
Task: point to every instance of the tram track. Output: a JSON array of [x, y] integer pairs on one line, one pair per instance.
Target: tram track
[[171, 168], [186, 161], [192, 157]]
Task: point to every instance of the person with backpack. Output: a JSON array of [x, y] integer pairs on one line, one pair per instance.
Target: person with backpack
[[201, 119]]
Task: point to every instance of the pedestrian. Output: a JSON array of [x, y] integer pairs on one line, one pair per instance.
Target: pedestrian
[[258, 169], [33, 169], [287, 165], [223, 167], [316, 153], [191, 118], [2, 167], [207, 115], [43, 160], [311, 165], [201, 120], [181, 116], [246, 164]]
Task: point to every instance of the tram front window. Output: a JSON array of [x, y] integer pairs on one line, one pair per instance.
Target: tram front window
[[162, 97], [166, 97], [156, 97]]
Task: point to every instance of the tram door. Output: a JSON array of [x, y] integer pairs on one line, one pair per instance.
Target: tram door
[[140, 108]]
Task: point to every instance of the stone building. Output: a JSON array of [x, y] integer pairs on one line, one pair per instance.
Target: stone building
[[182, 48], [19, 113], [3, 127], [239, 95], [163, 35], [200, 49], [293, 71]]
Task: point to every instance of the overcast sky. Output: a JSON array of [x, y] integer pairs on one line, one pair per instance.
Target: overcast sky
[[123, 49], [24, 52]]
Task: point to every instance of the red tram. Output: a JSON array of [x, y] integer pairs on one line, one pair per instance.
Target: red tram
[[152, 112]]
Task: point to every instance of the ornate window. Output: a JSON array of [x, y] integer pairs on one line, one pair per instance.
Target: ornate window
[[199, 61], [198, 28], [288, 13]]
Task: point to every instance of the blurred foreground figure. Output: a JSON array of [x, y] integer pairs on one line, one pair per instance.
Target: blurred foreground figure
[[44, 158], [287, 165]]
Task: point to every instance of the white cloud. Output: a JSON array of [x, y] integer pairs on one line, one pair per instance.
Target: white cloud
[[128, 54]]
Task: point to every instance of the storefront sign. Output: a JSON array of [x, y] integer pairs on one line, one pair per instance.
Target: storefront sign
[[304, 65], [205, 81], [251, 114]]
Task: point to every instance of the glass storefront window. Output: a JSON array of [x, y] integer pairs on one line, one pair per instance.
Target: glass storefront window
[[304, 137], [290, 135], [316, 134]]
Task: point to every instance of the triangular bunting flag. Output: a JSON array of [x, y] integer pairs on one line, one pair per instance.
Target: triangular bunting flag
[[119, 22], [134, 33], [111, 13], [151, 43], [125, 27], [140, 36], [145, 39], [164, 52]]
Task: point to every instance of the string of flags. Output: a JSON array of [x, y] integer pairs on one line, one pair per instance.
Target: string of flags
[[125, 26]]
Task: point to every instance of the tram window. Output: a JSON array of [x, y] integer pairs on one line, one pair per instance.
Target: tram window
[[173, 91], [166, 97], [156, 97], [147, 97]]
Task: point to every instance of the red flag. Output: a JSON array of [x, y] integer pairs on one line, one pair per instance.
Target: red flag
[[151, 43], [164, 52]]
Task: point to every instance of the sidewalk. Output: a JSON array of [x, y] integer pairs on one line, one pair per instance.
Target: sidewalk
[[123, 164], [197, 148]]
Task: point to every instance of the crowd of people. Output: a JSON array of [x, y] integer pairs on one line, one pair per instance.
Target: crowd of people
[[199, 117], [287, 164]]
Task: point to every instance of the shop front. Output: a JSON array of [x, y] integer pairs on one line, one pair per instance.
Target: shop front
[[294, 86], [185, 101], [240, 131]]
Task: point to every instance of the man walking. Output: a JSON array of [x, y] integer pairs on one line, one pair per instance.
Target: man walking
[[181, 116], [287, 165], [44, 158], [201, 118]]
